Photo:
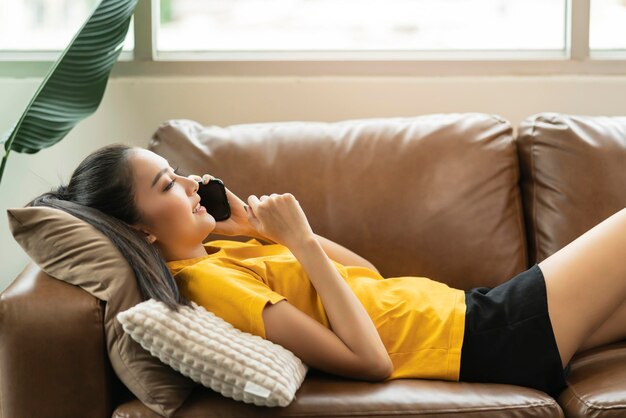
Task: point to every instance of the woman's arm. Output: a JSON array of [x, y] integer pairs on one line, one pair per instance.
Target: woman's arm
[[333, 250], [343, 255], [281, 218], [347, 316]]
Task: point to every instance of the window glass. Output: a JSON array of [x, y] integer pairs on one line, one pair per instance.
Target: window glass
[[608, 24], [45, 25], [187, 25]]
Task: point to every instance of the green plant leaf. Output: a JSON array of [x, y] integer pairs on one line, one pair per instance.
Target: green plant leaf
[[74, 86]]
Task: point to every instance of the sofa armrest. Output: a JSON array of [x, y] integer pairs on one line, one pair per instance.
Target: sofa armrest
[[53, 359]]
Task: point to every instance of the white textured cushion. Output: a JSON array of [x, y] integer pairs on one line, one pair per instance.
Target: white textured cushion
[[210, 351]]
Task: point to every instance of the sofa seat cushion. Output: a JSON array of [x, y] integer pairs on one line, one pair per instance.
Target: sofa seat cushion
[[597, 383], [323, 395]]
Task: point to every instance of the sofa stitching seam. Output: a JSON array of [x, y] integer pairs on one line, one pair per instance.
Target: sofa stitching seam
[[518, 196], [533, 205], [591, 405]]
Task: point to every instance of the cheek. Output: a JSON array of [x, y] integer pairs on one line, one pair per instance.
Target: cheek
[[181, 215], [171, 214]]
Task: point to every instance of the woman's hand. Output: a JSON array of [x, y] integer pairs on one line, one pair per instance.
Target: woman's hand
[[280, 218], [237, 223]]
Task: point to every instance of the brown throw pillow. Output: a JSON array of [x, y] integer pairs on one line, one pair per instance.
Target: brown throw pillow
[[72, 250]]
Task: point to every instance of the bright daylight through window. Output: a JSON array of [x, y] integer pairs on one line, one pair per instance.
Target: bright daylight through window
[[608, 24], [301, 25], [45, 25], [360, 24]]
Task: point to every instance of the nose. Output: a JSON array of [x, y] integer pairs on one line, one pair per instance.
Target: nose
[[192, 186]]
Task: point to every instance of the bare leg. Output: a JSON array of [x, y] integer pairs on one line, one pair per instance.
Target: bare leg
[[612, 330], [586, 283]]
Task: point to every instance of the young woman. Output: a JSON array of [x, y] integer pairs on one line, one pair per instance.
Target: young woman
[[330, 306]]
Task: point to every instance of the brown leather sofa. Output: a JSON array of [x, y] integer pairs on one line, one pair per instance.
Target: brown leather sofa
[[462, 198]]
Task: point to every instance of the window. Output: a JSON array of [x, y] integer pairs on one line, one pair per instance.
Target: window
[[191, 25], [45, 25], [608, 24], [332, 37]]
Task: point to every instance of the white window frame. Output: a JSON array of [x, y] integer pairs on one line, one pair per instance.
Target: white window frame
[[145, 60]]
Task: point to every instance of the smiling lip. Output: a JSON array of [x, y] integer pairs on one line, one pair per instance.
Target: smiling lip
[[201, 210]]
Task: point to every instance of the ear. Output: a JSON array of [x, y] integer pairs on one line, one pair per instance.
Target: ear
[[151, 238]]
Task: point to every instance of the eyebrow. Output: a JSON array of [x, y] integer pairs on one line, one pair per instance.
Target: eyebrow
[[159, 174]]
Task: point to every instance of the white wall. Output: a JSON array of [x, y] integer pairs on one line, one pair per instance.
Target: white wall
[[133, 107]]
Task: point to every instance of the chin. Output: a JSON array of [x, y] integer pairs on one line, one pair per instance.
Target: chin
[[208, 224]]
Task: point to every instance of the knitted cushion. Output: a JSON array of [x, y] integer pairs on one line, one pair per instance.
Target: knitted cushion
[[204, 347]]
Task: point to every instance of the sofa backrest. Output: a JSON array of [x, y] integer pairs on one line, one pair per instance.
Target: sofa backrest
[[573, 176], [433, 195]]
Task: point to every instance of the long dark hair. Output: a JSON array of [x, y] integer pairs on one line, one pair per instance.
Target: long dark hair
[[101, 193]]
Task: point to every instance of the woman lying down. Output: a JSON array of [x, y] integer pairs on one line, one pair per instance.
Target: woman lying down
[[330, 306]]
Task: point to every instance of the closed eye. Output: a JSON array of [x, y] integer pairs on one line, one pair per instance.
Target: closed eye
[[171, 183]]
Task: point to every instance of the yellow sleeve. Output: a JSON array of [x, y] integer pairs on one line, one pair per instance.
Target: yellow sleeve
[[235, 296], [257, 326]]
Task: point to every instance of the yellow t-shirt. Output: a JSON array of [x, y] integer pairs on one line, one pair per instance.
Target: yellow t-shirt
[[420, 321]]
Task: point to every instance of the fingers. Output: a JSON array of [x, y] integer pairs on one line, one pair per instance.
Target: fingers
[[256, 202], [264, 197], [204, 179], [253, 201]]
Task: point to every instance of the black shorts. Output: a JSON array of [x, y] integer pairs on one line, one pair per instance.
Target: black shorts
[[509, 337]]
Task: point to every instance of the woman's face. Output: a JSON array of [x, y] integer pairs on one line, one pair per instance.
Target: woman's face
[[166, 201]]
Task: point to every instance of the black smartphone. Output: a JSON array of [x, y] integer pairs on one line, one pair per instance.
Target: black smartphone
[[213, 198]]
